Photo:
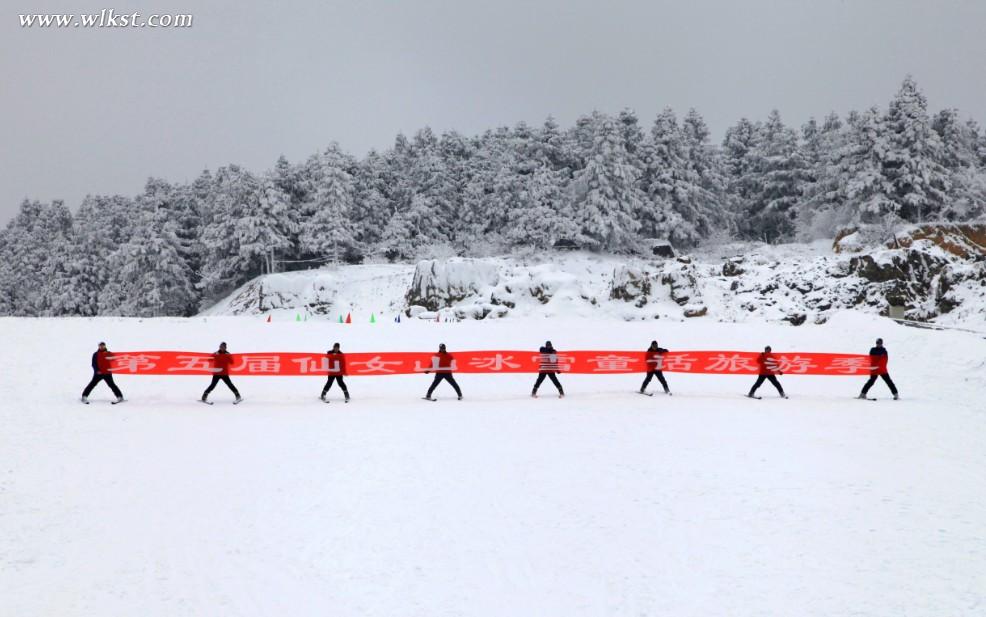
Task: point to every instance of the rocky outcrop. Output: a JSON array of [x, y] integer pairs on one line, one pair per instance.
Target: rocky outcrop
[[630, 285], [440, 284], [732, 267]]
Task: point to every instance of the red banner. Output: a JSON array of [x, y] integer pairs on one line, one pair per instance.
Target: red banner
[[403, 363]]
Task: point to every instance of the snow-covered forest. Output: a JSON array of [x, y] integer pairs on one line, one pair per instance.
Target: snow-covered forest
[[607, 184]]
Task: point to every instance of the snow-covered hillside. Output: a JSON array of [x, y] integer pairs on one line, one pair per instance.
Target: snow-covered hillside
[[794, 283], [603, 503]]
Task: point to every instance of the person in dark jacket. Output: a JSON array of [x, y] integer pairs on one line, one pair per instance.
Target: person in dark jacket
[[337, 368], [878, 368], [548, 367], [220, 363], [101, 372], [442, 364], [768, 372], [655, 362]]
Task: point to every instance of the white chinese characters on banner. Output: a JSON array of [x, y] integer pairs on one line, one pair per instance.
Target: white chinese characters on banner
[[132, 363], [315, 365], [495, 363], [730, 363], [376, 365], [613, 363], [257, 364], [201, 364], [850, 366]]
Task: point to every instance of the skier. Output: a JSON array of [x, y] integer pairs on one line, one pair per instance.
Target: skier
[[878, 368], [337, 368], [221, 361], [768, 372], [442, 363], [655, 361], [101, 372], [548, 367]]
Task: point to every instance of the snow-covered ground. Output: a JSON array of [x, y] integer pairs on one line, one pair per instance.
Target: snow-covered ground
[[602, 503]]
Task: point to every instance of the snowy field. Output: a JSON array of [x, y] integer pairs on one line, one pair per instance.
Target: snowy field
[[602, 503]]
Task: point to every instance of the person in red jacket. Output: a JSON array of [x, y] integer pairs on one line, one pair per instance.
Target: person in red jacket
[[337, 368], [101, 372], [442, 364], [878, 368], [768, 372], [655, 361], [220, 362]]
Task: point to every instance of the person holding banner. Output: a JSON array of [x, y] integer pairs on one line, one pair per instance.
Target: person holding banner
[[878, 368], [101, 372], [768, 372], [337, 368], [548, 367], [442, 364], [655, 363], [220, 363]]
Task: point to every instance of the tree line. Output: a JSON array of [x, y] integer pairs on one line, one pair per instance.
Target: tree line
[[608, 183]]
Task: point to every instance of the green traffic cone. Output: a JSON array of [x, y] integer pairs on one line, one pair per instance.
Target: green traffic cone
[[297, 317], [340, 318], [373, 318]]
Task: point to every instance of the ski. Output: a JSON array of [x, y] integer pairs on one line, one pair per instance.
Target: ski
[[117, 402], [864, 398], [238, 401], [756, 397], [429, 399], [645, 393], [206, 402]]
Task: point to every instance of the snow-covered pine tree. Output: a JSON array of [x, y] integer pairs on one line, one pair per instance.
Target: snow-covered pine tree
[[967, 190], [371, 209], [681, 207], [824, 210], [711, 201], [606, 196], [101, 225], [433, 210], [235, 193], [665, 161], [456, 151], [782, 177], [330, 231], [539, 216], [19, 290], [743, 183], [154, 279], [912, 164], [868, 194], [33, 243]]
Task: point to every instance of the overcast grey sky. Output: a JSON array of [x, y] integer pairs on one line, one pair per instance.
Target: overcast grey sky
[[98, 111]]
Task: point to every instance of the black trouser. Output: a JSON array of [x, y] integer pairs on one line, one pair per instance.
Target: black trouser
[[769, 378], [886, 378], [215, 381], [446, 377], [333, 379], [550, 375], [660, 378], [108, 378]]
